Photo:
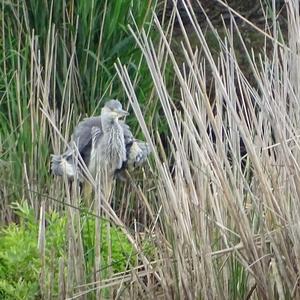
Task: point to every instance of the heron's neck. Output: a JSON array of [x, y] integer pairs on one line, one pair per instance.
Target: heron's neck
[[109, 124]]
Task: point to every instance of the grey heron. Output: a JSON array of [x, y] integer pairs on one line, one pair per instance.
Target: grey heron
[[102, 144]]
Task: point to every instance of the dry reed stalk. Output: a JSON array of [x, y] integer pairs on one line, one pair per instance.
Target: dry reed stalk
[[204, 199]]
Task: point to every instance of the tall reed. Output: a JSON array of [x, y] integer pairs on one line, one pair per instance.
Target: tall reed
[[229, 217]]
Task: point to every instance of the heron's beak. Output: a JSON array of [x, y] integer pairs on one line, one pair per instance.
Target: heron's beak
[[122, 112]]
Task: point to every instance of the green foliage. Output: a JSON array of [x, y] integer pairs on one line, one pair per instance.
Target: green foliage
[[20, 264], [111, 238], [19, 258], [238, 279], [62, 54]]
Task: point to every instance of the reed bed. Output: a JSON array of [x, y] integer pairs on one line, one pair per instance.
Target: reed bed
[[228, 186], [215, 212]]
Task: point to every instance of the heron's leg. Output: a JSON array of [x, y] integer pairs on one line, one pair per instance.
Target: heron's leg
[[107, 186], [80, 188], [108, 192], [87, 193]]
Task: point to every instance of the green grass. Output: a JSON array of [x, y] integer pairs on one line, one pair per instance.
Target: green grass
[[20, 263]]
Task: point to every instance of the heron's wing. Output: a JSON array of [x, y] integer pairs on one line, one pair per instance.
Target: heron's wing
[[128, 136], [85, 134], [82, 135], [138, 153], [89, 127]]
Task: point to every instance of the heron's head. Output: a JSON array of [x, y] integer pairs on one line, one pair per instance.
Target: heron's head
[[113, 109]]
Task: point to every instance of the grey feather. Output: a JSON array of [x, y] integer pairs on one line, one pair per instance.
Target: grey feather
[[56, 165], [137, 153], [101, 141]]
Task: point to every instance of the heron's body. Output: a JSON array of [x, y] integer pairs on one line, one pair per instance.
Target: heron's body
[[108, 151], [104, 145]]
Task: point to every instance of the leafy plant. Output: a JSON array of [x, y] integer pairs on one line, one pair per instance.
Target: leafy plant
[[20, 263], [19, 258]]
